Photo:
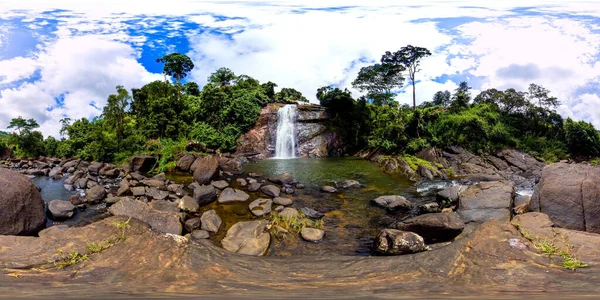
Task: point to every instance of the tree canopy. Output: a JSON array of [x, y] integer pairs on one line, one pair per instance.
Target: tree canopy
[[410, 58], [176, 65]]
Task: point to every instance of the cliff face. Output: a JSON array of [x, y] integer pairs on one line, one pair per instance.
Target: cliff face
[[313, 138]]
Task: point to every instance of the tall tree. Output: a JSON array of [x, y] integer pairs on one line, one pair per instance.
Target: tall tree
[[442, 98], [21, 124], [116, 110], [64, 125], [176, 65], [541, 95], [461, 97], [409, 57], [379, 80]]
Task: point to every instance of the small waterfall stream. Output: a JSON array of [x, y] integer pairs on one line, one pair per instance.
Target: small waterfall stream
[[285, 143]]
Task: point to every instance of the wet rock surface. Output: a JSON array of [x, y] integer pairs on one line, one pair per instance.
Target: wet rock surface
[[247, 238], [486, 200], [434, 227], [393, 202], [159, 220], [393, 242]]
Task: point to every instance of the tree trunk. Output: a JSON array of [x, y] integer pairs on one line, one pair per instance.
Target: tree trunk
[[414, 96]]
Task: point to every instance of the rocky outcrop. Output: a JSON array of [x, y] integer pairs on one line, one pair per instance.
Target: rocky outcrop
[[570, 195], [21, 206], [161, 221], [313, 138]]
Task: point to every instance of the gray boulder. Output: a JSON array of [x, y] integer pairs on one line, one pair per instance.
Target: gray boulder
[[261, 207], [233, 195], [450, 195], [220, 184], [206, 169], [95, 194], [349, 183], [185, 162], [283, 201], [192, 224], [188, 204], [205, 194], [285, 178], [570, 195], [311, 234], [166, 206], [142, 163], [211, 221], [288, 213], [328, 189], [486, 200], [60, 209], [270, 190], [255, 186], [434, 228], [393, 202]]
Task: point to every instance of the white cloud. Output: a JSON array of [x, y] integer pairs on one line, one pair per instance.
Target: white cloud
[[84, 69], [17, 68]]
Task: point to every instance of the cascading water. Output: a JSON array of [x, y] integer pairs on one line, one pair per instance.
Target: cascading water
[[285, 143]]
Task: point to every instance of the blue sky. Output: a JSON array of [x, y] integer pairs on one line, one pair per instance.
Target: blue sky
[[65, 57]]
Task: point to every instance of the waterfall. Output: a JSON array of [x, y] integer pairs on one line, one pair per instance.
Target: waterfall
[[285, 143]]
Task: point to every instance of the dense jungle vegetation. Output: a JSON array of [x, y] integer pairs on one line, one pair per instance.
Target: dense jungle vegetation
[[162, 116]]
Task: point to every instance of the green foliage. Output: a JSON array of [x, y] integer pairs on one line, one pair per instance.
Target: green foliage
[[410, 58], [379, 80], [28, 142], [289, 95], [167, 152], [582, 138]]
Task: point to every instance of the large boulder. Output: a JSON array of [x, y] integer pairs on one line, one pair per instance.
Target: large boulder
[[161, 221], [94, 168], [142, 163], [232, 195], [570, 195], [248, 238], [205, 194], [450, 195], [95, 194], [185, 162], [394, 241], [60, 209], [207, 169], [21, 205], [486, 200], [435, 227], [393, 202]]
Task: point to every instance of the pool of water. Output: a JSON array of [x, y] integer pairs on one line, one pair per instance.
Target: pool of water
[[54, 190], [351, 222]]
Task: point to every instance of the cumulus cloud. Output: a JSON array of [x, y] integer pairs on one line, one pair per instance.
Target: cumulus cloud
[[74, 72]]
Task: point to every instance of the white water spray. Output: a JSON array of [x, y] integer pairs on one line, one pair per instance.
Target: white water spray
[[285, 143]]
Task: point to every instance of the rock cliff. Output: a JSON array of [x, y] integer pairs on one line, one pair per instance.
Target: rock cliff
[[313, 137]]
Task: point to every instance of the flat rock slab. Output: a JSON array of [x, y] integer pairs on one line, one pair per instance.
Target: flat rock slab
[[261, 207], [270, 190], [486, 200], [247, 238], [220, 184], [161, 221], [233, 195], [283, 201]]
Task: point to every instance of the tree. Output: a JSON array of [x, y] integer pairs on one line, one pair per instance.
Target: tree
[[21, 124], [336, 100], [192, 89], [222, 77], [64, 125], [269, 89], [461, 97], [539, 94], [176, 65], [379, 80], [442, 98], [409, 57], [116, 110]]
